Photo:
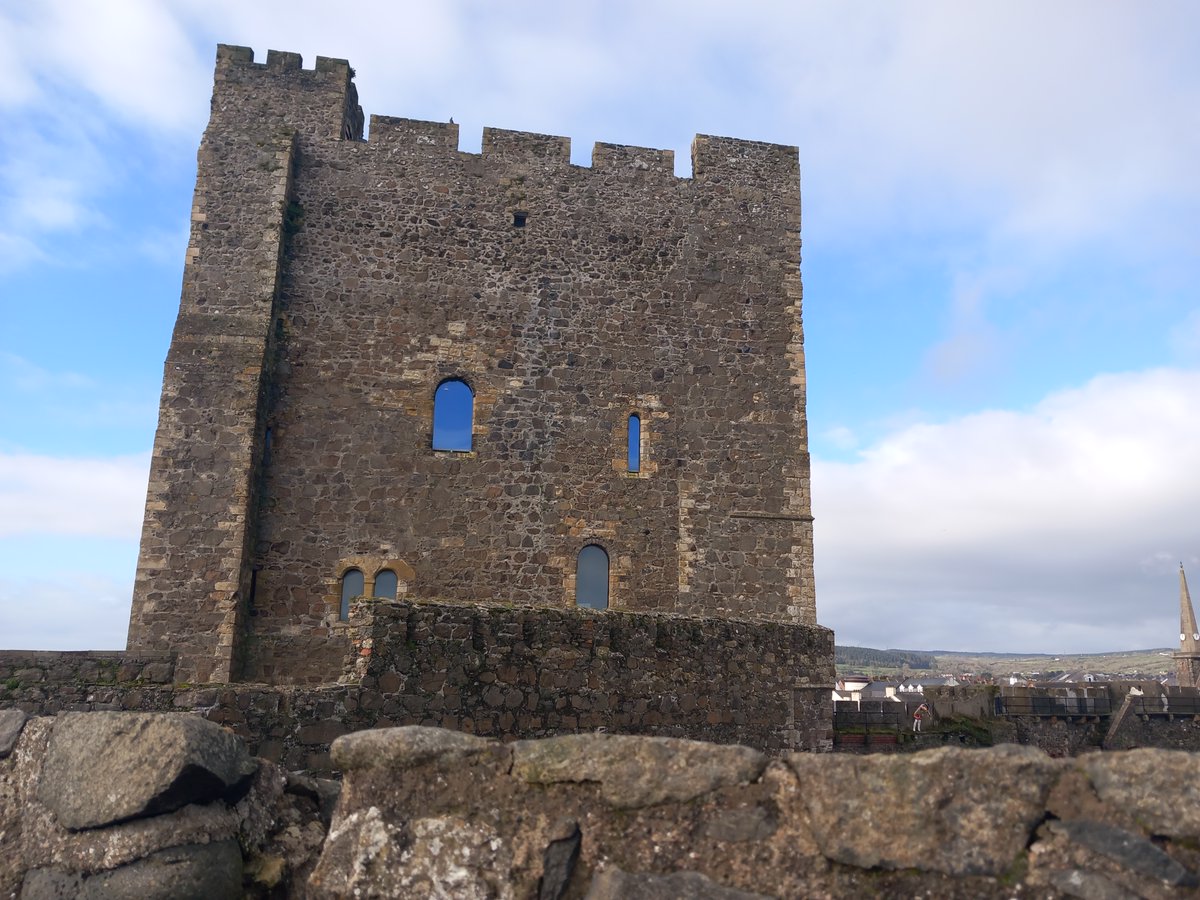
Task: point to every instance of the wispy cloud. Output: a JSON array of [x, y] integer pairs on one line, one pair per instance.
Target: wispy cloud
[[26, 376], [70, 497], [133, 57]]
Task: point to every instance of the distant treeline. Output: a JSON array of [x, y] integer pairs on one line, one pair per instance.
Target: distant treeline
[[866, 657]]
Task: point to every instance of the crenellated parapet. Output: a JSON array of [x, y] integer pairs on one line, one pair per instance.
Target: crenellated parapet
[[323, 101]]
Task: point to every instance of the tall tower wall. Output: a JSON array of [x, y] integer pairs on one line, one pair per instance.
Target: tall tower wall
[[333, 283]]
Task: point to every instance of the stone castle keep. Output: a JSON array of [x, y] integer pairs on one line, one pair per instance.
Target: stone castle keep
[[623, 472]]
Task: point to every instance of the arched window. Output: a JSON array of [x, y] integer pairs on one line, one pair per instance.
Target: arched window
[[634, 448], [385, 584], [453, 412], [352, 586], [591, 578]]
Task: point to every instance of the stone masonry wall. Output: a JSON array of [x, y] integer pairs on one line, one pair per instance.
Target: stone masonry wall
[[120, 805], [535, 673], [334, 282], [486, 670]]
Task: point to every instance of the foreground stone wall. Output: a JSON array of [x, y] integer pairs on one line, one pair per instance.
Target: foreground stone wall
[[535, 673], [108, 806], [488, 670], [429, 812]]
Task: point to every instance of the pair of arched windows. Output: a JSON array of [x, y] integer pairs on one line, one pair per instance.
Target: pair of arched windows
[[354, 584]]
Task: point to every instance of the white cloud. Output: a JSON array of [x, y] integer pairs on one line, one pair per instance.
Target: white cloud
[[64, 609], [1047, 125], [72, 497], [68, 545], [1056, 122], [132, 56], [1053, 529]]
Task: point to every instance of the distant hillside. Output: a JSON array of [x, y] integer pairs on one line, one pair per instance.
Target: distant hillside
[[1125, 662], [868, 658]]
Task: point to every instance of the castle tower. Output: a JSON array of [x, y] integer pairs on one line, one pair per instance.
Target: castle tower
[[625, 345], [1187, 659]]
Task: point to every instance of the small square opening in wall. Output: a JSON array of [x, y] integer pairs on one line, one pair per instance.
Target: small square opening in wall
[[519, 219]]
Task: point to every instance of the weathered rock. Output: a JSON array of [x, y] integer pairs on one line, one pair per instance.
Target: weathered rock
[[613, 884], [751, 823], [51, 884], [323, 792], [412, 745], [1087, 885], [637, 771], [963, 812], [12, 721], [193, 872], [1132, 851], [1159, 788], [558, 862], [430, 857], [102, 768]]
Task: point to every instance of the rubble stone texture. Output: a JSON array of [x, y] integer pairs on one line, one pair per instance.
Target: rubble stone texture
[[332, 283], [263, 838], [425, 812]]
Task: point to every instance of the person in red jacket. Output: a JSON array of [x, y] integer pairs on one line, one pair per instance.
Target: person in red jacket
[[918, 715]]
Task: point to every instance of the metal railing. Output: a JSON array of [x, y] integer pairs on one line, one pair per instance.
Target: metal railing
[[1166, 705], [1050, 705]]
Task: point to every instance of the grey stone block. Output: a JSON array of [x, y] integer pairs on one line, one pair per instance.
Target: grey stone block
[[12, 722], [102, 768], [637, 771]]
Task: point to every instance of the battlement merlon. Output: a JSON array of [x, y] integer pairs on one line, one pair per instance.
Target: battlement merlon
[[319, 103]]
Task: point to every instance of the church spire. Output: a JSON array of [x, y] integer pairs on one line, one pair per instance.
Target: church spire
[[1187, 659], [1189, 634]]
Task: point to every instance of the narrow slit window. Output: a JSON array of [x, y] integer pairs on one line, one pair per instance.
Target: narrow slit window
[[353, 585], [453, 415], [634, 448], [386, 584], [591, 578]]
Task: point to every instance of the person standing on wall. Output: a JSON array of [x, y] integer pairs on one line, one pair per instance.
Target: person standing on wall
[[918, 715]]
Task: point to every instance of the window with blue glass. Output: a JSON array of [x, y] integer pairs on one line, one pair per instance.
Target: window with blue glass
[[453, 415], [634, 443]]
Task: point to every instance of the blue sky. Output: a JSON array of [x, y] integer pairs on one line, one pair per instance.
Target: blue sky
[[1001, 252]]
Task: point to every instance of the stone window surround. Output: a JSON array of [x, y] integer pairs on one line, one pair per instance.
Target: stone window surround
[[636, 467], [620, 563], [607, 577], [646, 408], [370, 566], [470, 385]]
